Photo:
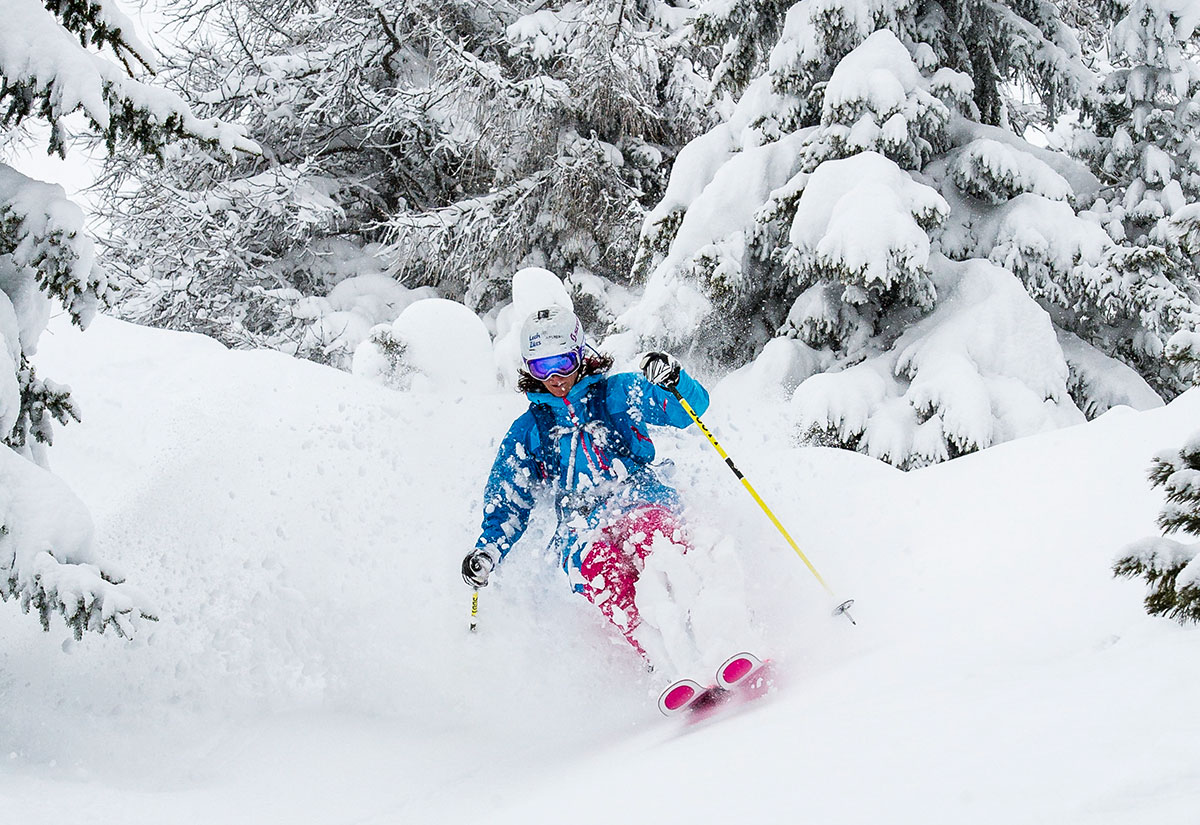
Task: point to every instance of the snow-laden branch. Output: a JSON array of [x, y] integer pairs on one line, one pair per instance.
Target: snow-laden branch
[[47, 564], [41, 61], [44, 233]]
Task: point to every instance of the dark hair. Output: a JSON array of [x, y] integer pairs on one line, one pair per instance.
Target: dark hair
[[597, 364]]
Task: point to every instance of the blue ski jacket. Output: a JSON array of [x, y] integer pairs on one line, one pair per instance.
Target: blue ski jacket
[[592, 450]]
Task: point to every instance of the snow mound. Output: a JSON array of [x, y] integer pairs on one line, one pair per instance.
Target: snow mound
[[301, 531], [344, 318], [434, 344]]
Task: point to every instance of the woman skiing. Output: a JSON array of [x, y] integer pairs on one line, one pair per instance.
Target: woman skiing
[[585, 438]]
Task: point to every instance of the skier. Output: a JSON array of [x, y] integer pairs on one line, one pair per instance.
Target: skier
[[585, 438]]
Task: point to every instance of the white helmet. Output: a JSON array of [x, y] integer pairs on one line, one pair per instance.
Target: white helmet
[[551, 331]]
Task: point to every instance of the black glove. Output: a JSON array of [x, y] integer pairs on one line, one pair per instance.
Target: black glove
[[661, 369], [476, 568]]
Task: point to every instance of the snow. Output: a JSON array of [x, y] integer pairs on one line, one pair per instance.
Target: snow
[[343, 319], [859, 215], [10, 361], [1107, 383], [434, 345], [880, 83], [46, 549], [48, 230], [856, 20], [1158, 553], [1185, 12], [988, 359], [1084, 184], [545, 34], [1035, 237], [699, 162], [1008, 170], [879, 73], [1185, 344], [35, 48], [982, 368], [781, 366], [713, 230], [301, 531], [877, 100]]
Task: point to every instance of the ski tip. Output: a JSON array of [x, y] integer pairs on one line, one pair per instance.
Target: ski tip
[[736, 668], [679, 695]]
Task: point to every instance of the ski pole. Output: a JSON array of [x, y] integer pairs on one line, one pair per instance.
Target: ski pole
[[474, 609], [842, 609]]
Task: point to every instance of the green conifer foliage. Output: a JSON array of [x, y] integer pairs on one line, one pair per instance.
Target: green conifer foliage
[[1171, 569], [744, 31]]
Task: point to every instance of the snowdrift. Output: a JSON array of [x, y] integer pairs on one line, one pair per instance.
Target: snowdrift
[[300, 531]]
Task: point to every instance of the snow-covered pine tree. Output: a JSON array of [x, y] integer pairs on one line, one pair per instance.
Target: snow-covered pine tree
[[1091, 20], [1170, 568], [869, 200], [743, 31], [48, 73], [1141, 133], [1141, 122], [438, 144]]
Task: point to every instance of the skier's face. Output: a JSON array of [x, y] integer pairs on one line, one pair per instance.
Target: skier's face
[[560, 385]]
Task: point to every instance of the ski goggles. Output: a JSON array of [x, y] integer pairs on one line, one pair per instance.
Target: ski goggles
[[546, 366]]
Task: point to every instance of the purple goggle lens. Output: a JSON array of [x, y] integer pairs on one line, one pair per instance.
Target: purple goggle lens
[[543, 368]]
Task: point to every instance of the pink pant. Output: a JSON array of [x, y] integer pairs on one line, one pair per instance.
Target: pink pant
[[615, 560]]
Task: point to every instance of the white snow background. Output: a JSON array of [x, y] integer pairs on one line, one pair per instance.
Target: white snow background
[[300, 530]]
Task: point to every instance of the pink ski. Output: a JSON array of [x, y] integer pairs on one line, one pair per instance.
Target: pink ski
[[738, 668], [743, 673]]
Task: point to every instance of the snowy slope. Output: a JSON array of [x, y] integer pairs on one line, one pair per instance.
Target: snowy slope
[[301, 530]]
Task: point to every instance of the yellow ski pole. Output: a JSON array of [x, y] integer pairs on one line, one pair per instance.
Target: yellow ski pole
[[842, 609], [474, 608]]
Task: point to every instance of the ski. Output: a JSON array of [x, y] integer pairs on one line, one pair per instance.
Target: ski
[[688, 695], [743, 674], [738, 668]]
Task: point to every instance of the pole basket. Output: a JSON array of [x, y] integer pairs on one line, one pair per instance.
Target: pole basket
[[843, 609]]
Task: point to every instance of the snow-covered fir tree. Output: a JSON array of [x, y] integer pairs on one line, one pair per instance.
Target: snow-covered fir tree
[[921, 274], [48, 74], [440, 145], [1143, 120], [1141, 133], [743, 31], [1172, 569]]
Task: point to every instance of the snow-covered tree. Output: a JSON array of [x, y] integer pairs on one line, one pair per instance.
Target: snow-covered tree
[[1091, 21], [1141, 132], [868, 199], [47, 74], [445, 144], [1170, 568], [1143, 118], [743, 31]]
